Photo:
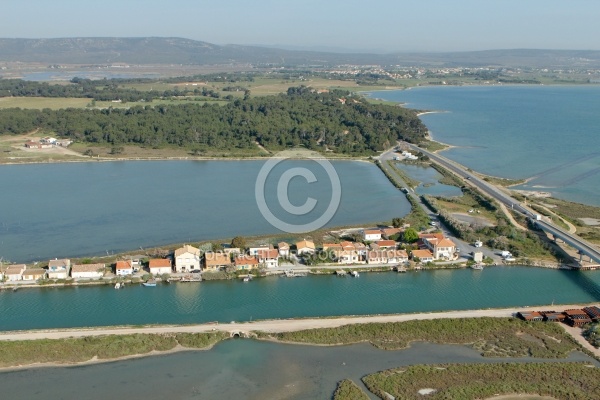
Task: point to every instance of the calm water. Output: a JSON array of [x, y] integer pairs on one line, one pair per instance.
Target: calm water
[[312, 296], [80, 209], [550, 132], [235, 369], [429, 179]]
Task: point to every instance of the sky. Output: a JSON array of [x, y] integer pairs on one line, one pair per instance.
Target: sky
[[374, 25]]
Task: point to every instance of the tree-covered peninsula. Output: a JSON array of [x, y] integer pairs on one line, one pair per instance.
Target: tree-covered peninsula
[[333, 121]]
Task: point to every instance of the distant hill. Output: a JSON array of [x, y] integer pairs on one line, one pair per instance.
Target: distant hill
[[158, 50]]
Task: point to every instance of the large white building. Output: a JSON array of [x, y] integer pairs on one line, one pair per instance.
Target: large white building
[[187, 258]]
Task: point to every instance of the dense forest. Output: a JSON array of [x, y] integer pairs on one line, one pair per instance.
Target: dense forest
[[337, 121]]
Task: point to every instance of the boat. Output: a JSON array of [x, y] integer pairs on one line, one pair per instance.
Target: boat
[[355, 274], [149, 283], [477, 267], [118, 285], [247, 279], [401, 268]]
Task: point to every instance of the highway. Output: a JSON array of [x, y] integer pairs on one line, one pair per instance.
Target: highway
[[573, 240]]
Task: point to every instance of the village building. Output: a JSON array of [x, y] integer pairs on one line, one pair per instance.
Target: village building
[[187, 258], [215, 261], [424, 256], [246, 262], [269, 258], [371, 235], [87, 271], [123, 268], [389, 232], [33, 274], [386, 244], [253, 251], [13, 273], [160, 266], [284, 249], [387, 257], [346, 256], [441, 247], [136, 262], [305, 247], [59, 269], [331, 246]]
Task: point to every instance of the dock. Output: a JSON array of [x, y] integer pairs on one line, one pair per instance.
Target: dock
[[293, 274], [191, 278]]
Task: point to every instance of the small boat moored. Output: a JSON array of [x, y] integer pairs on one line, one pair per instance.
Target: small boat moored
[[118, 285], [477, 267], [149, 283], [355, 274]]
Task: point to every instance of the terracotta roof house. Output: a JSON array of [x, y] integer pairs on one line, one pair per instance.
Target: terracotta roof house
[[422, 255], [246, 262], [577, 317], [305, 247], [371, 235], [215, 261], [159, 266], [387, 232], [269, 258], [187, 258], [123, 268], [386, 244], [87, 271]]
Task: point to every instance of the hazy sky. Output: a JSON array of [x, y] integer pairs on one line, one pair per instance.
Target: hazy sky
[[377, 25]]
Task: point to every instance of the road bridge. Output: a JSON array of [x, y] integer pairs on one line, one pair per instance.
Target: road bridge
[[582, 246]]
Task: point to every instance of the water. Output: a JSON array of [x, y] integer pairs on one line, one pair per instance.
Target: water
[[235, 369], [86, 209], [429, 179], [548, 132], [312, 296]]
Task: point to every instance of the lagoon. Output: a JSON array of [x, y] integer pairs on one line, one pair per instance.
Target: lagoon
[[236, 369], [96, 208], [550, 133]]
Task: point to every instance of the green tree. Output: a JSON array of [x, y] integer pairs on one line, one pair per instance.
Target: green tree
[[238, 242], [410, 235], [397, 222]]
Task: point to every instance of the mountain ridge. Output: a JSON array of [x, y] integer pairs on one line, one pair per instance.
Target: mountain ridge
[[174, 50]]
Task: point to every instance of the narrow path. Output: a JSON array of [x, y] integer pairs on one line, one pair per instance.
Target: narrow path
[[576, 333], [510, 217], [280, 325]]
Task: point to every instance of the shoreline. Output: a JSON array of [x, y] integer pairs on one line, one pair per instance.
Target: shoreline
[[249, 329]]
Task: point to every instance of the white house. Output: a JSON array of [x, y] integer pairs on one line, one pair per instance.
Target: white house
[[371, 235], [87, 271], [423, 255], [159, 266], [13, 273], [268, 258], [253, 251], [59, 269], [346, 256], [305, 247], [441, 248], [124, 268], [187, 258], [284, 249]]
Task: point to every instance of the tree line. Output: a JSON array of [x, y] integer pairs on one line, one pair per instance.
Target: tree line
[[336, 121]]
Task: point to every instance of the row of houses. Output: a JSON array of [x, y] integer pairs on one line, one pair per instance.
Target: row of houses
[[573, 317], [190, 259]]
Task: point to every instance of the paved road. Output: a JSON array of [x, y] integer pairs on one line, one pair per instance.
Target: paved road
[[466, 249], [491, 190]]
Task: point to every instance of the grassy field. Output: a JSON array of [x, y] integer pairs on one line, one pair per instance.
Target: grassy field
[[347, 390], [493, 337], [480, 381], [68, 351]]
